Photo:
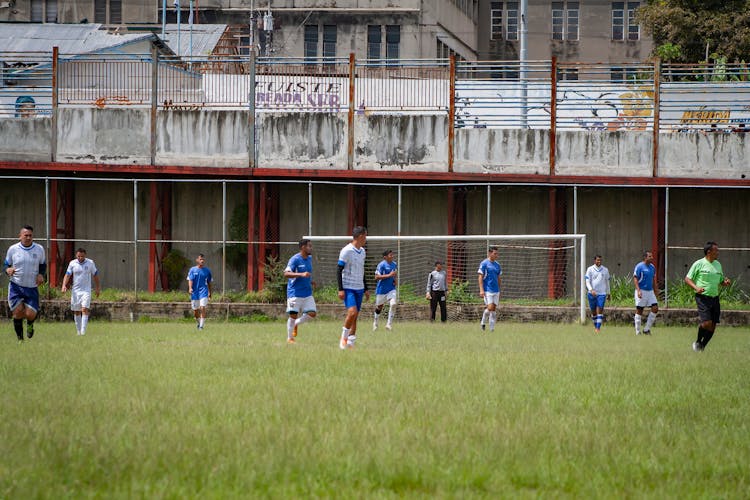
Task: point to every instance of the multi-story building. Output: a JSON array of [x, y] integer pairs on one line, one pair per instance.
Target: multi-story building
[[572, 31]]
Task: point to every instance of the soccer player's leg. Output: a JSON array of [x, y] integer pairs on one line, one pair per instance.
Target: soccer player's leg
[[293, 311], [600, 300], [17, 309], [492, 299], [379, 303], [85, 311], [592, 308], [76, 307], [309, 311], [196, 305], [31, 308], [391, 309], [651, 315], [353, 304]]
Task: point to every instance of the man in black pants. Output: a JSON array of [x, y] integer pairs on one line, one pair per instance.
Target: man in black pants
[[436, 292], [705, 277]]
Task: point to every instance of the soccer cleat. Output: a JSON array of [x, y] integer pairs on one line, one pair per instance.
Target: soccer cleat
[[374, 325], [389, 327], [482, 325], [343, 341], [291, 341], [637, 332], [646, 332], [294, 330], [200, 327], [697, 347], [350, 341], [30, 330]]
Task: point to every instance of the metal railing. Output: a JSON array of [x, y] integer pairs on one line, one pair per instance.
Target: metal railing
[[486, 94]]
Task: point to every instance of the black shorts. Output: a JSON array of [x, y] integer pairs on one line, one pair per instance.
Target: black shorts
[[708, 308]]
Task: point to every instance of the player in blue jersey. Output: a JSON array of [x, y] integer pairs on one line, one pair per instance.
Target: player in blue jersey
[[79, 275], [597, 284], [199, 287], [352, 284], [385, 289], [646, 291], [299, 289], [25, 264], [489, 286]]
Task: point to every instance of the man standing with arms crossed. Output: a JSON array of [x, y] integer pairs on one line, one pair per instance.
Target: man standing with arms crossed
[[489, 286], [352, 285], [705, 276], [25, 264], [80, 271], [199, 287]]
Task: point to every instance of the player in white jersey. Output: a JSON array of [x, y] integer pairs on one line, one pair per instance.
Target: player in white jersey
[[597, 284], [352, 284], [25, 264], [81, 271]]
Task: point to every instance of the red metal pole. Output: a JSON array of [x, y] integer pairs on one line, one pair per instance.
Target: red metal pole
[[553, 117], [154, 204], [657, 118], [452, 113], [251, 255], [262, 227], [350, 144], [54, 253]]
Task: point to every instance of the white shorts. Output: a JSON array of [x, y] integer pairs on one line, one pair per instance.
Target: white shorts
[[296, 305], [381, 299], [80, 300], [648, 298], [197, 304], [491, 298]]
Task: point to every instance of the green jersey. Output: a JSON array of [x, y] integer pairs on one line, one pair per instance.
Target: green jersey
[[707, 275]]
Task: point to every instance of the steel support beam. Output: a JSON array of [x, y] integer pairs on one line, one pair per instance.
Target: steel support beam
[[556, 258], [160, 228], [62, 227]]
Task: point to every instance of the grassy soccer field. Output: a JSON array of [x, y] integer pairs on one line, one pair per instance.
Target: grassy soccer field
[[161, 410]]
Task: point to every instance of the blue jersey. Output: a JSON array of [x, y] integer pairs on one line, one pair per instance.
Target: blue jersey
[[644, 273], [490, 272], [201, 277], [299, 287], [385, 285]]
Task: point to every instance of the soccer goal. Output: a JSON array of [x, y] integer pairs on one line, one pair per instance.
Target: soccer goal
[[538, 269]]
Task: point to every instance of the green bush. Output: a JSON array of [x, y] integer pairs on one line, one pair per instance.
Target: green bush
[[175, 265]]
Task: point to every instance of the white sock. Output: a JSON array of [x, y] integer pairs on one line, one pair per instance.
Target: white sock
[[84, 323], [289, 327], [651, 320], [391, 311], [492, 320], [638, 323], [375, 321], [484, 316], [345, 332], [201, 321], [77, 319], [303, 319]]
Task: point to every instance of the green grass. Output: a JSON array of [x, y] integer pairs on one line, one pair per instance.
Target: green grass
[[532, 410]]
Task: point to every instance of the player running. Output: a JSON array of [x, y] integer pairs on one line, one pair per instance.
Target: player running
[[489, 286], [80, 272], [299, 289], [352, 284], [385, 289]]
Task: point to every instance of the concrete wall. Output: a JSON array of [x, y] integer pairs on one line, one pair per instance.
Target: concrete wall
[[110, 136], [501, 151], [202, 138], [604, 153], [709, 155], [27, 139]]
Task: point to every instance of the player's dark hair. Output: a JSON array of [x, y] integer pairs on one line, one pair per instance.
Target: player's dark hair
[[303, 242], [81, 250], [492, 249], [707, 247], [201, 255], [358, 231], [386, 252], [597, 256], [438, 262], [28, 228], [645, 254]]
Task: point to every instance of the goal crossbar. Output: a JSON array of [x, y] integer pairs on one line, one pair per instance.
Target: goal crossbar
[[490, 238]]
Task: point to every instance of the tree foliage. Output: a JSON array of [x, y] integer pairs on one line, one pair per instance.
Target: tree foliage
[[682, 29]]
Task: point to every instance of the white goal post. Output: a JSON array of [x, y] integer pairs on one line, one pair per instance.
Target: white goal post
[[537, 268]]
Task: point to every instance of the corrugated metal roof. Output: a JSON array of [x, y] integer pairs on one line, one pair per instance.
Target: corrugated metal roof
[[205, 38], [70, 38]]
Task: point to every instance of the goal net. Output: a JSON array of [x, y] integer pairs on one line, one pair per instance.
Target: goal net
[[536, 269]]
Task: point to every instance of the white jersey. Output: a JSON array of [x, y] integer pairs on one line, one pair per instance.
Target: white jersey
[[353, 260], [597, 279], [26, 261], [81, 274]]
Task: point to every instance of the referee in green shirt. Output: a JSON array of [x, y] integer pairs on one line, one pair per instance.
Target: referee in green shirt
[[705, 276]]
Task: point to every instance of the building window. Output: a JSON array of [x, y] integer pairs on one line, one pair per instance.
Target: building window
[[43, 11], [565, 20], [329, 41], [619, 19], [311, 41], [567, 74], [445, 52], [496, 20], [108, 11], [623, 75], [511, 30], [507, 11], [392, 41], [374, 41]]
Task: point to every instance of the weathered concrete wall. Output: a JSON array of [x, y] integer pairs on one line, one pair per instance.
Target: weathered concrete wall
[[501, 151], [302, 140], [401, 142], [583, 152], [114, 136], [26, 139], [710, 155], [202, 138]]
